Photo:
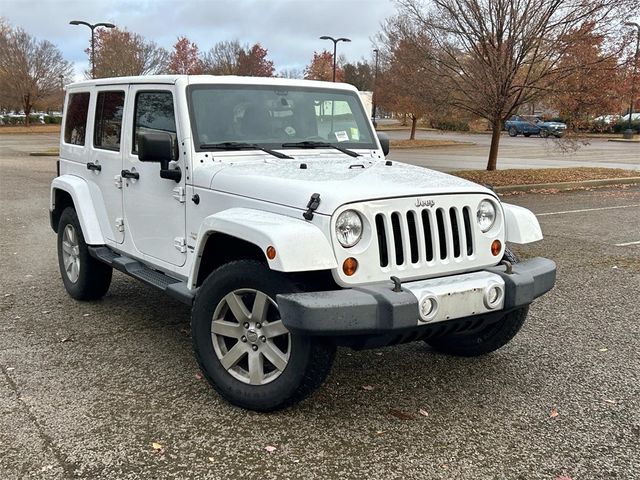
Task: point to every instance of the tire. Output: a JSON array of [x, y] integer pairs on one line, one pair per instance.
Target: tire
[[265, 386], [544, 133], [84, 277], [513, 132], [527, 135], [488, 339]]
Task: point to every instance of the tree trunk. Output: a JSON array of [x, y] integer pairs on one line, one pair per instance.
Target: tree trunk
[[495, 142], [26, 106], [414, 122]]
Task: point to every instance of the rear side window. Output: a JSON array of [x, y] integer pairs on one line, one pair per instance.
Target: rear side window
[[76, 118], [154, 113], [106, 133]]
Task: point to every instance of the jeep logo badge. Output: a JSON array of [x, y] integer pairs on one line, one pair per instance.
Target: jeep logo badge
[[424, 203]]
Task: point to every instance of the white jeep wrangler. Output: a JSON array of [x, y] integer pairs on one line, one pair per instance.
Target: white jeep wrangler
[[268, 206]]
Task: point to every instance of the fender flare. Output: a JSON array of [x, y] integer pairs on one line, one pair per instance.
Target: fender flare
[[521, 225], [300, 245], [78, 189]]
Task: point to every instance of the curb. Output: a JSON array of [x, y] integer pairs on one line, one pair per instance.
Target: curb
[[568, 185], [625, 140], [44, 154]]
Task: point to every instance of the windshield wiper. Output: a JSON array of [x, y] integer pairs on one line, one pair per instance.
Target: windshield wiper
[[242, 146], [310, 144]]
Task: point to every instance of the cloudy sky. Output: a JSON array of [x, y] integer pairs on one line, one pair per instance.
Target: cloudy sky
[[289, 29]]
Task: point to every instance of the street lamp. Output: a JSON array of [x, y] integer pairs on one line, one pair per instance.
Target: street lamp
[[375, 82], [92, 27], [629, 132], [335, 43]]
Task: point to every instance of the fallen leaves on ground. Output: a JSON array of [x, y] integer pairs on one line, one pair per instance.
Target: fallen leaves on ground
[[158, 448], [199, 376], [528, 176], [563, 477], [609, 401], [603, 349], [66, 339], [367, 387], [270, 448], [400, 414], [422, 143], [554, 413], [424, 413]]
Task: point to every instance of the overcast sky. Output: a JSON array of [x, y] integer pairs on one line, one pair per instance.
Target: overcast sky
[[289, 29]]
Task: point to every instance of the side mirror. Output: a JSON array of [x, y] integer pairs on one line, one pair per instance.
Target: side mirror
[[384, 143], [159, 147]]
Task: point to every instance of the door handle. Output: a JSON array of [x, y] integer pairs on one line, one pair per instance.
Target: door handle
[[94, 166], [129, 174]]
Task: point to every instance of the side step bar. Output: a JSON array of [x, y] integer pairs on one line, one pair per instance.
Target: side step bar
[[172, 286]]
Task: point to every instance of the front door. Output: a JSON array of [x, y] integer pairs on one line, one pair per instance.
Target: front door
[[154, 207]]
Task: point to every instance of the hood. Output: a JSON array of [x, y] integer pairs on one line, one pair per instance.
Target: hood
[[338, 181]]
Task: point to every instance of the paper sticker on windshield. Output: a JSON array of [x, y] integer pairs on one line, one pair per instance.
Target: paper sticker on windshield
[[355, 133], [289, 130], [342, 136]]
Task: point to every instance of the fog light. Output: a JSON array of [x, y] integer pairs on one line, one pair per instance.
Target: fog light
[[493, 296], [350, 266], [496, 247], [428, 308]]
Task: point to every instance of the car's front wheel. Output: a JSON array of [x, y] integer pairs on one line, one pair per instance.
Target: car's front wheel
[[242, 346], [544, 133], [513, 132]]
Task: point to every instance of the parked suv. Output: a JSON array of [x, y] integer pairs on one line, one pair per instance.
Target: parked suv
[[267, 205], [528, 125]]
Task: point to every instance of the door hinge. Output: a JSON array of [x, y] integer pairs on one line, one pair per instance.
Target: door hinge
[[117, 180], [120, 224], [179, 194], [180, 243]]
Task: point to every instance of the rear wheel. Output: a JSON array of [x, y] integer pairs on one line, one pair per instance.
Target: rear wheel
[[513, 132], [487, 339], [242, 346], [544, 133], [84, 277]]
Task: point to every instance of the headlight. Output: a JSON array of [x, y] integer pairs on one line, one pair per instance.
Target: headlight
[[486, 215], [349, 228]]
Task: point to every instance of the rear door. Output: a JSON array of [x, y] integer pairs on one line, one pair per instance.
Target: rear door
[[154, 207], [105, 157]]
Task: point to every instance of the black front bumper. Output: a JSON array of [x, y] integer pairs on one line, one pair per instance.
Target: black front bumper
[[376, 310]]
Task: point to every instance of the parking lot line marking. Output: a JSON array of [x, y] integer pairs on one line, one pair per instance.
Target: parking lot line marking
[[627, 244], [586, 210]]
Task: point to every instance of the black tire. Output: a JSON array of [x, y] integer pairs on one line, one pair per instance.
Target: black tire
[[489, 338], [544, 133], [310, 359], [513, 132], [527, 134], [94, 277]]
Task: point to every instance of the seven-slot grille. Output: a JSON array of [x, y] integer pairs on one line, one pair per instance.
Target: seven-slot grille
[[424, 236]]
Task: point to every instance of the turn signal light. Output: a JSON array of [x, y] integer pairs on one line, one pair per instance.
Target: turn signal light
[[496, 247], [271, 253], [350, 266]]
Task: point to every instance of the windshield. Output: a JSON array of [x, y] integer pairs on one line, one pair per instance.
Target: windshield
[[271, 116]]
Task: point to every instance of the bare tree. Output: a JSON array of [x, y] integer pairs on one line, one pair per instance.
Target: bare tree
[[500, 54], [222, 58], [30, 70], [121, 53]]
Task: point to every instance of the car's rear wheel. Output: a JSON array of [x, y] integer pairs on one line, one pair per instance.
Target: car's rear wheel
[[487, 339], [513, 132], [544, 133], [242, 346], [527, 134], [84, 277]]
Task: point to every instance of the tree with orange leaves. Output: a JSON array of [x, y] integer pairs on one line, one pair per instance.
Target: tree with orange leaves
[[185, 59]]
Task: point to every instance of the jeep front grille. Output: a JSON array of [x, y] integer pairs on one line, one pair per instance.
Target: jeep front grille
[[424, 236]]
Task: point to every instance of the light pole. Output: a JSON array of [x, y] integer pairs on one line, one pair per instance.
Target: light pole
[[335, 43], [375, 83], [61, 77], [93, 40], [629, 132]]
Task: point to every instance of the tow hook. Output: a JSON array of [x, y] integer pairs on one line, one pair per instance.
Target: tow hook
[[397, 284], [508, 267]]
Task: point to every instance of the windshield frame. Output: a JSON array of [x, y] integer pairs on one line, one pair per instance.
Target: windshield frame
[[278, 146]]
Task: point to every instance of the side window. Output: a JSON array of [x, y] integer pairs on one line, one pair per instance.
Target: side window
[[106, 133], [154, 113], [76, 118]]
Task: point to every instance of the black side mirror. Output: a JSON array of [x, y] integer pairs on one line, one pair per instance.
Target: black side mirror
[[159, 147], [384, 142]]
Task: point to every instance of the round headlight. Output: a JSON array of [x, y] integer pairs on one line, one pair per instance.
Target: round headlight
[[486, 215], [349, 228]]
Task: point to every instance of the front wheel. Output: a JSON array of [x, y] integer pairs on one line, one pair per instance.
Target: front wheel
[[513, 132], [544, 133], [243, 348]]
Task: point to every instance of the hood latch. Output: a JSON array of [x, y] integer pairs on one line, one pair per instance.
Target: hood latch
[[312, 206]]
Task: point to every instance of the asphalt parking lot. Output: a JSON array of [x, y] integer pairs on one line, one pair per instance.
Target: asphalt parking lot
[[87, 388]]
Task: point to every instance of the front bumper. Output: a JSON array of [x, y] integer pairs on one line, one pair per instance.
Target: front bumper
[[378, 309]]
